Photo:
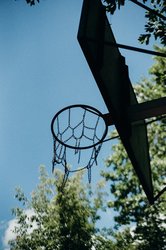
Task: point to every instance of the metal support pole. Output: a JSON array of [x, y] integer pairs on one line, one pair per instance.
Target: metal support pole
[[148, 109], [136, 49], [142, 111], [128, 47]]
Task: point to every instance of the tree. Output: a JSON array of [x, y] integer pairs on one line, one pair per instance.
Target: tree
[[129, 200], [32, 2], [59, 219], [155, 20]]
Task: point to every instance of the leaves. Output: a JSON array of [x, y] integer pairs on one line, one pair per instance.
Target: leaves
[[111, 5], [154, 26], [32, 2]]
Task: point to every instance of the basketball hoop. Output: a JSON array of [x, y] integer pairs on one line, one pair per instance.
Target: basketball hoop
[[77, 128]]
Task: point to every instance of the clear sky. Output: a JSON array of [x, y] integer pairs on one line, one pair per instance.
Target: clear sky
[[42, 69]]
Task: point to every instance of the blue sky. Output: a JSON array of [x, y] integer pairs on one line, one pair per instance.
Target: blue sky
[[42, 69]]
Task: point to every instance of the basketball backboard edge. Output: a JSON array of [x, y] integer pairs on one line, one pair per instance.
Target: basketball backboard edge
[[111, 74]]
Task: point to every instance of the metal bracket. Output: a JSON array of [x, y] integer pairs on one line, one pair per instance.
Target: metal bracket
[[142, 111], [148, 109]]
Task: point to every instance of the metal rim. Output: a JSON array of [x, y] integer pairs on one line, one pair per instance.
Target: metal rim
[[90, 109]]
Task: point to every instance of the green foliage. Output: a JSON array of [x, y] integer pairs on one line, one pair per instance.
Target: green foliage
[[32, 2], [129, 200], [58, 220], [155, 25], [124, 240], [111, 5], [102, 243], [159, 70], [151, 229]]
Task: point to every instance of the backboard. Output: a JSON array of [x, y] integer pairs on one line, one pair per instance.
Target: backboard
[[111, 74]]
